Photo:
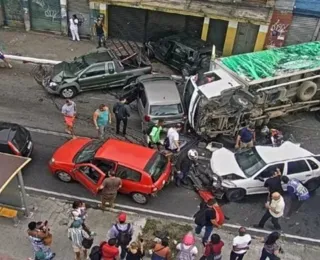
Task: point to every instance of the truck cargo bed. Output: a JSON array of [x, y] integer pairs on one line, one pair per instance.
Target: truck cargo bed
[[259, 67]]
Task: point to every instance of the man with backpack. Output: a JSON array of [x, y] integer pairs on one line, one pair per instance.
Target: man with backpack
[[122, 112], [208, 216], [122, 232], [153, 133]]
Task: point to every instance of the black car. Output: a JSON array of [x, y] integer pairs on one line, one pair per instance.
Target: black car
[[185, 54], [15, 139]]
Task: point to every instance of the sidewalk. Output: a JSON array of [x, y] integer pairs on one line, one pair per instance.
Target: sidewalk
[[14, 244]]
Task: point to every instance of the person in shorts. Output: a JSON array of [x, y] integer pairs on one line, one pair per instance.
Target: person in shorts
[[3, 58], [76, 234], [69, 112], [246, 138]]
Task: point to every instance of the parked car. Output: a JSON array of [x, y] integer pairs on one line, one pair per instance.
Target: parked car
[[15, 139], [97, 70], [143, 171], [244, 173], [186, 55]]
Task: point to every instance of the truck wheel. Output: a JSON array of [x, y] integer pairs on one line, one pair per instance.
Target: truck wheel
[[312, 184], [241, 102], [306, 91], [235, 195], [68, 92]]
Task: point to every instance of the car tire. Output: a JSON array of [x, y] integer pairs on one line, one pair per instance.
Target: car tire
[[307, 90], [64, 176], [235, 195], [139, 198], [68, 92], [312, 184]]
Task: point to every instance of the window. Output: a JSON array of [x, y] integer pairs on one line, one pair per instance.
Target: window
[[297, 167], [249, 161], [104, 166], [318, 158], [95, 71], [268, 172], [87, 152], [156, 166], [166, 110], [128, 174], [91, 173], [111, 69], [143, 98], [313, 165]]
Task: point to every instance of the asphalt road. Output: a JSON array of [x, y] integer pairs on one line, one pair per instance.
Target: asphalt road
[[24, 102]]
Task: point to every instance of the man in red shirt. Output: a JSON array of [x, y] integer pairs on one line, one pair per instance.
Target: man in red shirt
[[109, 251]]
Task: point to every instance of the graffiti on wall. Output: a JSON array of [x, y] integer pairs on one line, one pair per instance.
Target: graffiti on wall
[[13, 10], [48, 9]]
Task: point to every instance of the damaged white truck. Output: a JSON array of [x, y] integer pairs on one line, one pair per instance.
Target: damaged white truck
[[253, 88]]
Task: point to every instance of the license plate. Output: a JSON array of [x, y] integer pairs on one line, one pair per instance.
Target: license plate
[[29, 145]]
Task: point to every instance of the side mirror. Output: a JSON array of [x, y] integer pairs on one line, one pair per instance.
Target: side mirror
[[260, 179]]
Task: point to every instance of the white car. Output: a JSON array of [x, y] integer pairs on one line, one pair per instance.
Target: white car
[[243, 173]]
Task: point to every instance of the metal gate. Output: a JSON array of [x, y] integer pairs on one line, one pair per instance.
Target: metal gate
[[127, 23], [82, 10], [161, 24], [45, 15], [13, 12], [246, 38], [217, 33], [194, 26], [303, 29]]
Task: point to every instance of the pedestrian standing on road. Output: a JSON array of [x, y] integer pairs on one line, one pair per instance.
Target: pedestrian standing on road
[[213, 249], [122, 232], [122, 112], [183, 167], [206, 217], [240, 245], [271, 250], [76, 234], [37, 237], [297, 194], [3, 58], [187, 249], [161, 251], [274, 184], [135, 251], [109, 189], [109, 250], [246, 137], [69, 112], [101, 119], [173, 139], [99, 32], [154, 135], [74, 27], [275, 210]]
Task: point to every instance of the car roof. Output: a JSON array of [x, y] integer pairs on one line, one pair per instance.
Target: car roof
[[7, 131], [187, 41], [125, 153], [161, 90], [287, 151]]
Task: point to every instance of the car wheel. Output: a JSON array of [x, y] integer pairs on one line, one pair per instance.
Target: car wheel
[[63, 176], [139, 198], [312, 185], [68, 92], [235, 195]]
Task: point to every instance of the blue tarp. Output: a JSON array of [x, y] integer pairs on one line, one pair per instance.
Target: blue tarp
[[307, 7]]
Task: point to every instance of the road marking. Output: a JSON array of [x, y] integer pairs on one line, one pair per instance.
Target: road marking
[[48, 132], [166, 214]]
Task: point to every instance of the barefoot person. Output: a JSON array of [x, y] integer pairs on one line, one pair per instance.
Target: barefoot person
[[3, 58], [69, 112]]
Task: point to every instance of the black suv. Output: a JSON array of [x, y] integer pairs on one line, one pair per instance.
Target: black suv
[[15, 139]]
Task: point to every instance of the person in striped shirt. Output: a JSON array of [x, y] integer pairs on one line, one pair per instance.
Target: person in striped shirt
[[76, 235], [3, 58]]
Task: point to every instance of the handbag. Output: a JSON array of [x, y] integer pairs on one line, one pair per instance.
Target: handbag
[[87, 242]]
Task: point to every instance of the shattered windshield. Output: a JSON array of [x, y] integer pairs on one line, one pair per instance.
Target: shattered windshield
[[249, 161]]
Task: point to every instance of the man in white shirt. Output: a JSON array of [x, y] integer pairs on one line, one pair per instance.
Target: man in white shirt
[[240, 245], [74, 23], [274, 211], [173, 138]]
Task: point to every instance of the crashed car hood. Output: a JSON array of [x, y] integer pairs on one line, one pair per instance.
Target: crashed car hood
[[223, 162], [62, 71]]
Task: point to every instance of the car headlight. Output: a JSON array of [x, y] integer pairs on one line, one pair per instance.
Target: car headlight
[[228, 184], [52, 160], [53, 84]]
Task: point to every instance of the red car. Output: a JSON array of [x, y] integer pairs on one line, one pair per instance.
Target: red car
[[143, 171]]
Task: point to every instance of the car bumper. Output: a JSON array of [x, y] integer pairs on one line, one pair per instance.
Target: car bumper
[[51, 90]]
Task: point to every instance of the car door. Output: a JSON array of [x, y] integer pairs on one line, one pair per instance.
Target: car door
[[179, 57], [130, 93], [114, 77], [93, 77], [90, 176], [299, 169], [131, 180], [256, 183]]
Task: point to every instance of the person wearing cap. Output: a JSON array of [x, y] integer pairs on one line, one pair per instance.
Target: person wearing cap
[[76, 234], [122, 232], [173, 138], [275, 210], [240, 244], [187, 247], [246, 137], [69, 112]]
